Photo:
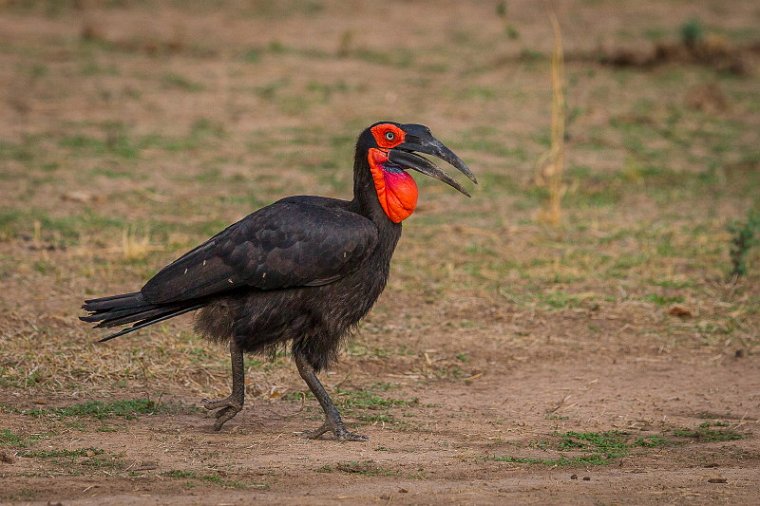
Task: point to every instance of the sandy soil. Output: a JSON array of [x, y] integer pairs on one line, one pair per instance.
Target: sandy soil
[[444, 453]]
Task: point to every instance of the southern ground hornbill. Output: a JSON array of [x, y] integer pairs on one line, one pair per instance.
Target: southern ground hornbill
[[302, 271]]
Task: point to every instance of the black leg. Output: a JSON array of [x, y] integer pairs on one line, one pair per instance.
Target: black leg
[[333, 422], [230, 406]]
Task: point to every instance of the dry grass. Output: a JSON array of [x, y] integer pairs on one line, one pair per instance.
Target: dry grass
[[105, 196], [551, 166], [135, 246]]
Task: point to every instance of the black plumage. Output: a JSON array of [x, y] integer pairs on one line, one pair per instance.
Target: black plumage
[[301, 271]]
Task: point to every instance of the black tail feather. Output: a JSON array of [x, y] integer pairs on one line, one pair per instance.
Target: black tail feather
[[125, 316], [120, 301], [136, 317], [108, 315], [145, 323], [132, 308]]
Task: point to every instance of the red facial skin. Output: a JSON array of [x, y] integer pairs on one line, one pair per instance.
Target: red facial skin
[[396, 190]]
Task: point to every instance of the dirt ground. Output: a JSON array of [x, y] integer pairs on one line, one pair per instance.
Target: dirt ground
[[609, 359], [444, 453]]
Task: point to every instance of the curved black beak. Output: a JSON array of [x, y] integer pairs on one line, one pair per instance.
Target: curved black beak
[[419, 139], [409, 160]]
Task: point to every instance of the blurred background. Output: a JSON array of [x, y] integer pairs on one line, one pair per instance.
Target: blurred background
[[615, 224]]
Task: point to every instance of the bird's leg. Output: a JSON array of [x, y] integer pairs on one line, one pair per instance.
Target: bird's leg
[[333, 421], [230, 406]]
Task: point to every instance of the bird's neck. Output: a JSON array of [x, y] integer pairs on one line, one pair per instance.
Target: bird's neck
[[367, 204], [365, 200]]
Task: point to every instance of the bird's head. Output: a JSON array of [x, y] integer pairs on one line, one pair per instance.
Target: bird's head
[[390, 150]]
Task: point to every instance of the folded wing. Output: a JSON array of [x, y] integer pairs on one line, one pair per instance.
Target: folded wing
[[290, 243]]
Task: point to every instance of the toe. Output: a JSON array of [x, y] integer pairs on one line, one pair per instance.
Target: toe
[[222, 412], [351, 436], [228, 408], [211, 404], [317, 433], [223, 416]]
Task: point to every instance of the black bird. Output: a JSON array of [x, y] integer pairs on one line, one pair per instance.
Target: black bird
[[302, 271]]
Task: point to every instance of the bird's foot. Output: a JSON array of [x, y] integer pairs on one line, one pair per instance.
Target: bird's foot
[[230, 406], [340, 431]]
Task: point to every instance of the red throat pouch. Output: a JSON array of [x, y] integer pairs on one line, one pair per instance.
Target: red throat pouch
[[396, 190]]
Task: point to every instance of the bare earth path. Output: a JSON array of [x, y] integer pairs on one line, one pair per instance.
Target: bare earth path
[[446, 452]]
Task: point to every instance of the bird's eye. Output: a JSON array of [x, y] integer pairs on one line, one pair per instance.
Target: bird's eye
[[390, 136]]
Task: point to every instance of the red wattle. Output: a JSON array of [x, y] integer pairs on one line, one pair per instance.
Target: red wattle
[[396, 191]]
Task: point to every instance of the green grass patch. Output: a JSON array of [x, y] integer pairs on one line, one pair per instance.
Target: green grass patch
[[359, 349], [14, 221], [610, 444], [104, 461], [379, 418], [655, 441], [9, 438], [663, 300], [366, 399], [214, 479], [559, 300], [586, 460], [115, 142], [128, 409], [704, 433], [297, 396], [365, 405], [744, 235], [176, 473], [602, 448], [71, 454], [23, 152]]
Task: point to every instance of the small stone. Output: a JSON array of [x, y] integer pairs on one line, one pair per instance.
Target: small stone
[[78, 196], [680, 311]]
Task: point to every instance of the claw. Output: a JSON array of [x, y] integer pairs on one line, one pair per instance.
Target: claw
[[351, 436], [229, 408]]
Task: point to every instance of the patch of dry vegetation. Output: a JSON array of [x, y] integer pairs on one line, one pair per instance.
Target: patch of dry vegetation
[[103, 199]]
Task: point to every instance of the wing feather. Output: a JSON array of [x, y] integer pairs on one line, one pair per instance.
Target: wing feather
[[287, 244]]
